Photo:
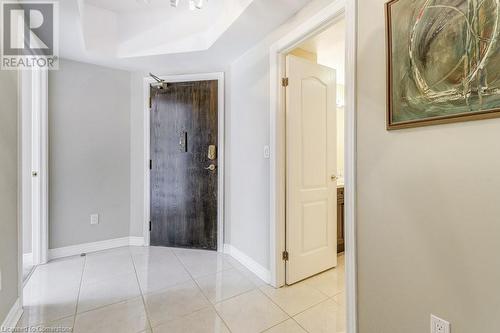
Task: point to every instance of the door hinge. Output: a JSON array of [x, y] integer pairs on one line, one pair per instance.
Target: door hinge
[[150, 164], [285, 255], [284, 82], [149, 225]]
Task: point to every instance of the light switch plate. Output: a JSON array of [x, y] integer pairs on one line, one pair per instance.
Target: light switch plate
[[94, 219], [439, 325]]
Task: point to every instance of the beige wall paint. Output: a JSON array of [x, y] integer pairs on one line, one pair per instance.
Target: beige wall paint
[[8, 191], [428, 210]]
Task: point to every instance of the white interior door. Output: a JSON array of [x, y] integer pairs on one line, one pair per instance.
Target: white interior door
[[311, 213]]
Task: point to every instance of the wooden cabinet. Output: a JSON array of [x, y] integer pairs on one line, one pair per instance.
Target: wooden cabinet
[[340, 219]]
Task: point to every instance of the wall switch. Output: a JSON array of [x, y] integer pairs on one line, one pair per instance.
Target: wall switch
[[267, 152], [94, 219], [439, 325]]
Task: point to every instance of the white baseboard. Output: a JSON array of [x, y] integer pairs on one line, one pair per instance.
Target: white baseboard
[[73, 250], [13, 317], [28, 259], [263, 273], [136, 241]]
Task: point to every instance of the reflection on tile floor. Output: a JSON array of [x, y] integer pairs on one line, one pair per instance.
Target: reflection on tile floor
[[160, 290]]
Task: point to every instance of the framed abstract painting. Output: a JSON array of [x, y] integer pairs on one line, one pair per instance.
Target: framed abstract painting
[[443, 61]]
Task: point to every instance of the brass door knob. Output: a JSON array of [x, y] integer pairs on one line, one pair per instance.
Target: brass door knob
[[333, 178]]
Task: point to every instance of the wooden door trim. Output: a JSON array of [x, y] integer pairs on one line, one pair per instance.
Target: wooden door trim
[[219, 76], [318, 22]]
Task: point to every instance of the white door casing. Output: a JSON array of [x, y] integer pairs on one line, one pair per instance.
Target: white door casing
[[311, 203], [34, 164]]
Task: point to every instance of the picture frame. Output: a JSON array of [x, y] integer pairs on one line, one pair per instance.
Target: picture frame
[[425, 85]]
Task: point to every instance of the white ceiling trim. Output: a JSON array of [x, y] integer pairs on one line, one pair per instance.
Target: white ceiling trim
[[155, 29]]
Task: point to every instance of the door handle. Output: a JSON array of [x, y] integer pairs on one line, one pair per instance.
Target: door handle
[[333, 178], [211, 167], [183, 142]]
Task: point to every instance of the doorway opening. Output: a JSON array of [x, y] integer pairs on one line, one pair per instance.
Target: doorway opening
[[314, 104], [184, 151], [337, 198]]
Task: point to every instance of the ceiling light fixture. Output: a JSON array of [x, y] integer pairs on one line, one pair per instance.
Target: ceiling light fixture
[[193, 4]]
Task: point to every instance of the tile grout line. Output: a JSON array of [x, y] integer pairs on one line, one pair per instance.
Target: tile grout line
[[140, 291], [306, 309], [201, 291], [333, 298], [79, 291], [299, 325], [283, 310], [257, 288], [54, 320], [108, 304], [295, 320], [281, 322]]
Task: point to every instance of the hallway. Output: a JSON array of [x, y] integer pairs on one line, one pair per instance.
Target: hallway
[[154, 289]]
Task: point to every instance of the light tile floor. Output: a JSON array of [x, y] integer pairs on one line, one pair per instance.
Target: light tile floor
[[165, 290]]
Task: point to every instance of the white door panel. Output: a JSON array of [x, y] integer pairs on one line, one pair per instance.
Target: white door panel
[[311, 162]]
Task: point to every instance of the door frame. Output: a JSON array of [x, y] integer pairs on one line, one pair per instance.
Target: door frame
[[40, 91], [219, 76], [37, 100], [318, 22]]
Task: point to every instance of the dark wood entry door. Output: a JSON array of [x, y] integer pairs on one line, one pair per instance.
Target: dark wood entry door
[[183, 187]]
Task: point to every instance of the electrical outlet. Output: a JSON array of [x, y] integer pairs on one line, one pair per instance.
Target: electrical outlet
[[439, 325], [94, 219]]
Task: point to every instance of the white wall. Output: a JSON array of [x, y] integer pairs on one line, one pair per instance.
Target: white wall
[[249, 170], [8, 190], [137, 163], [89, 153], [248, 134]]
